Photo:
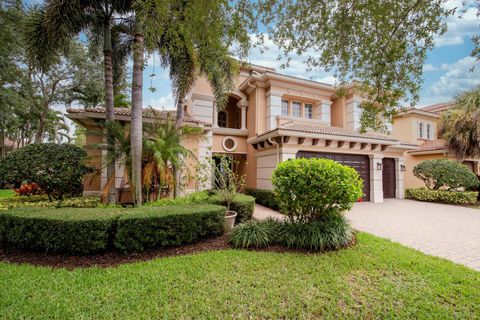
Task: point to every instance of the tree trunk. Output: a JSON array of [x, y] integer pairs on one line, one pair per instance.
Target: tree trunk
[[41, 124], [178, 125], [109, 107], [137, 118]]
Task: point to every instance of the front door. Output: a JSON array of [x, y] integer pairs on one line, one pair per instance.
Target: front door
[[389, 178]]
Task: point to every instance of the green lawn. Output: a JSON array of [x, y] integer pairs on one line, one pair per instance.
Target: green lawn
[[375, 279], [6, 193]]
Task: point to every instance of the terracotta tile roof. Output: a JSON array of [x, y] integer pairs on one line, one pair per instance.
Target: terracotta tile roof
[[334, 131], [148, 113], [437, 108], [432, 145]]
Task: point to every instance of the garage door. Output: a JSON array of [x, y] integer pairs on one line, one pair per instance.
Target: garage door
[[361, 163], [388, 175]]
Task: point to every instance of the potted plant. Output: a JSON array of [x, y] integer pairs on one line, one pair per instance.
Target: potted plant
[[227, 184]]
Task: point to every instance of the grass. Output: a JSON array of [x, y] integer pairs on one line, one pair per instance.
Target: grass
[[6, 193], [374, 279]]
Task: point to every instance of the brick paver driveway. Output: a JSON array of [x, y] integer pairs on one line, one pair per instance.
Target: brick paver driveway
[[445, 231]]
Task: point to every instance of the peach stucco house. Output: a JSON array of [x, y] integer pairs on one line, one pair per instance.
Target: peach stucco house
[[420, 126], [271, 117]]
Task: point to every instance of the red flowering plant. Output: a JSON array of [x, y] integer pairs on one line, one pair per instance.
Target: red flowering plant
[[29, 189]]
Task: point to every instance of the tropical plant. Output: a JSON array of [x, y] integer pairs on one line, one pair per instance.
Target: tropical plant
[[52, 27], [227, 182], [445, 174], [459, 126], [308, 189]]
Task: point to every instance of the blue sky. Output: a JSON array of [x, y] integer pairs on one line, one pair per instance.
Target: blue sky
[[446, 70]]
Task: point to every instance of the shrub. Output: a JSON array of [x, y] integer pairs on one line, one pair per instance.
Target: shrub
[[443, 173], [29, 189], [331, 232], [69, 230], [57, 168], [242, 204], [192, 198], [453, 197], [255, 234], [307, 189], [163, 226], [42, 201], [265, 198]]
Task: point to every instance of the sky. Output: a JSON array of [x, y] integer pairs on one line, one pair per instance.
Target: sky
[[446, 69]]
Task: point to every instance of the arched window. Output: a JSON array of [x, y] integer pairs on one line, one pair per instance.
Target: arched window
[[420, 130], [429, 131], [222, 119]]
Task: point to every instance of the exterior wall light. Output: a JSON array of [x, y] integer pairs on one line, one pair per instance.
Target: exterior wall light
[[379, 166], [402, 167]]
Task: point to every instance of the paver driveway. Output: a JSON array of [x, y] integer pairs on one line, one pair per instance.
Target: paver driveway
[[445, 231]]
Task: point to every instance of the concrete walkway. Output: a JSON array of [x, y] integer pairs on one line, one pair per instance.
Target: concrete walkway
[[445, 231]]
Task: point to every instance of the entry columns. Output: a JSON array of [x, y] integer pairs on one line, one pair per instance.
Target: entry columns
[[376, 178]]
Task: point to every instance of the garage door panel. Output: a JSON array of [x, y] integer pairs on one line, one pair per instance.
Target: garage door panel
[[361, 163]]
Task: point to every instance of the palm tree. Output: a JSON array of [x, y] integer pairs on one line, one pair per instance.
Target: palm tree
[[52, 28], [460, 127]]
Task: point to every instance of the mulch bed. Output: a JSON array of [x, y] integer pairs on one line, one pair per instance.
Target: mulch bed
[[115, 258]]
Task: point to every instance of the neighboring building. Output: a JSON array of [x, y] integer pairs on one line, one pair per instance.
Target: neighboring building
[[420, 126], [272, 117]]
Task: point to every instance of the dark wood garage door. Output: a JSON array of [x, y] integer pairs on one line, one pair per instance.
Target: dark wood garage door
[[389, 184], [361, 163]]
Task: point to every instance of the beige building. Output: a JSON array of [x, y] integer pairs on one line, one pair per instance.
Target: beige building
[[271, 117], [420, 126]]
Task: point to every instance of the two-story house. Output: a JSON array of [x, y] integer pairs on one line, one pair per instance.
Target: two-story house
[[271, 117], [420, 126]]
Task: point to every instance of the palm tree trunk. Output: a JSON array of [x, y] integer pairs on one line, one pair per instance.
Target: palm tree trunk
[[137, 118], [178, 125], [109, 107], [41, 124]]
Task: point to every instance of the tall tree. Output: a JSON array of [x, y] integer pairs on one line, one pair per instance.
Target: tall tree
[[382, 45], [52, 27], [460, 125], [189, 51]]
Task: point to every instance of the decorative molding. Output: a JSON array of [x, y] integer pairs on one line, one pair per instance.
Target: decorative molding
[[255, 146], [383, 147], [301, 140], [285, 139], [373, 146], [315, 142], [352, 145], [340, 144], [328, 143], [363, 145], [262, 144]]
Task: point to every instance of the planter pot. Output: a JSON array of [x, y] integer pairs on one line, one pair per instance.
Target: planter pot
[[229, 220]]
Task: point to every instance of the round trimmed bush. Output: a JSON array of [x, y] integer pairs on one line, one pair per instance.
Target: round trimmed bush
[[307, 189], [447, 174], [58, 169]]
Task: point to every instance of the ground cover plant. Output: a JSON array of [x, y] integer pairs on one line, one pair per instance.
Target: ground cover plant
[[6, 193], [374, 279]]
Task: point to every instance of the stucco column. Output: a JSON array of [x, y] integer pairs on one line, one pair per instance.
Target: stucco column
[[376, 178], [274, 108], [242, 104], [215, 115], [399, 178]]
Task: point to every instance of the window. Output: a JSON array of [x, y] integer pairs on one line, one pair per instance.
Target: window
[[308, 112], [284, 107], [296, 109], [429, 130], [420, 130], [222, 119]]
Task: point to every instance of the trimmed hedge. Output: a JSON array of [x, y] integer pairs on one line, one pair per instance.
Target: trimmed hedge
[[70, 230], [443, 196], [164, 226], [88, 230], [263, 197], [243, 205], [42, 201]]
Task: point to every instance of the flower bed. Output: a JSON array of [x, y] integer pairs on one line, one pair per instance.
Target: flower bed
[[89, 230]]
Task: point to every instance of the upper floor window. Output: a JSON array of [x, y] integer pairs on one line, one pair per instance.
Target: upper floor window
[[429, 131], [284, 107], [420, 130], [296, 112], [222, 119], [308, 112]]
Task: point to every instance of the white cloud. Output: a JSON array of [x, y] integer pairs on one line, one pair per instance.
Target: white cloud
[[428, 67], [457, 78], [461, 25], [164, 102]]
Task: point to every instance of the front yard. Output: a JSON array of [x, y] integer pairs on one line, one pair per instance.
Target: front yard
[[374, 279], [6, 193]]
